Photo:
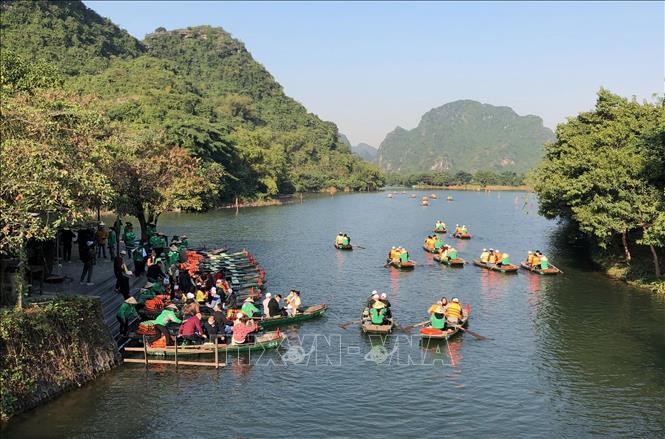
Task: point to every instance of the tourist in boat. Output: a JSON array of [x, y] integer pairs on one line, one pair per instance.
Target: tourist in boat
[[464, 230], [444, 254], [535, 260], [163, 319], [484, 256], [373, 298], [274, 310], [249, 309], [191, 306], [529, 258], [191, 329], [222, 321], [457, 230], [451, 253], [444, 302], [505, 260], [242, 328], [212, 329], [339, 238], [437, 316], [453, 312], [495, 256], [265, 304], [292, 303], [378, 313], [127, 316], [384, 299]]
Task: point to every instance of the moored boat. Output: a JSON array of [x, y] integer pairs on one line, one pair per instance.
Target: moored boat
[[404, 266], [343, 247], [269, 340], [550, 270], [429, 333], [500, 268], [369, 328], [458, 262], [308, 313]]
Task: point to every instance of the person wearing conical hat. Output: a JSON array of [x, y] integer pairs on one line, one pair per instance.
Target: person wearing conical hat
[[249, 309], [372, 298], [437, 316], [164, 318], [127, 316], [378, 313]]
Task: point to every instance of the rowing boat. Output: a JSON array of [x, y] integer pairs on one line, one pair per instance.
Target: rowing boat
[[408, 265], [551, 270], [369, 328], [430, 250], [440, 231], [343, 247], [429, 333], [502, 268], [309, 313], [462, 235], [458, 262], [269, 340]]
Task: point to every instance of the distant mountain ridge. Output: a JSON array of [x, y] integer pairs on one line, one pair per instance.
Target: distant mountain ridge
[[366, 151], [466, 135]]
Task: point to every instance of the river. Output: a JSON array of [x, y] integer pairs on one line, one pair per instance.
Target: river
[[575, 355]]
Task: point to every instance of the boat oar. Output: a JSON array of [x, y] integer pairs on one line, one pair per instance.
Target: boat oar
[[345, 325], [475, 334], [415, 325], [359, 246]]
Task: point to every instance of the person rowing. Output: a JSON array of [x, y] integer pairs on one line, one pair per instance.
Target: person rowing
[[437, 316], [505, 260], [249, 309], [378, 313]]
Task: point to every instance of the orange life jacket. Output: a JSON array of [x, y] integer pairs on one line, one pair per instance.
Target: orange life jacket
[[454, 311]]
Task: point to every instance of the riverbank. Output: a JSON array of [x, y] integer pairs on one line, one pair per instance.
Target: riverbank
[[478, 188], [49, 348], [639, 273]]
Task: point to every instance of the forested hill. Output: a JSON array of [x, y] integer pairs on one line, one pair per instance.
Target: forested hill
[[466, 135], [200, 88]]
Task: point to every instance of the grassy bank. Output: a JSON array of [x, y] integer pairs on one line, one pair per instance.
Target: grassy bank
[[639, 272], [479, 188], [49, 348]]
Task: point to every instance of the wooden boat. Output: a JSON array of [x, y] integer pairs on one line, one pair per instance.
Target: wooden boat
[[502, 269], [369, 328], [343, 247], [404, 266], [269, 340], [459, 262], [551, 270], [413, 195], [440, 231], [309, 313], [450, 198], [424, 203], [430, 250], [433, 196], [462, 236], [390, 195], [429, 333]]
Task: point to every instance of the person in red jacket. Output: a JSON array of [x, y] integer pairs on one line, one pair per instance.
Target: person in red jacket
[[191, 329]]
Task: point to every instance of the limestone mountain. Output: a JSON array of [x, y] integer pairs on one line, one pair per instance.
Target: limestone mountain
[[367, 152], [466, 135]]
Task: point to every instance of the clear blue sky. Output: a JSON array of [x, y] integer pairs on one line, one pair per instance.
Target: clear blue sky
[[372, 66]]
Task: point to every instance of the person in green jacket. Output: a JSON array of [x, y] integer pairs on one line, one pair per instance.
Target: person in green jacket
[[164, 318], [437, 243], [112, 241], [544, 263], [173, 256], [404, 256], [150, 230], [183, 241], [505, 260], [127, 316], [249, 309], [378, 313], [452, 253], [438, 317], [129, 236]]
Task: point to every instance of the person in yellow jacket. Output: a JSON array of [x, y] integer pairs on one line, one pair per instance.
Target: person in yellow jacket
[[454, 313], [484, 256], [529, 258]]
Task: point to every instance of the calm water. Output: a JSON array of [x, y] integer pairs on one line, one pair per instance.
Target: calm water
[[570, 356]]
